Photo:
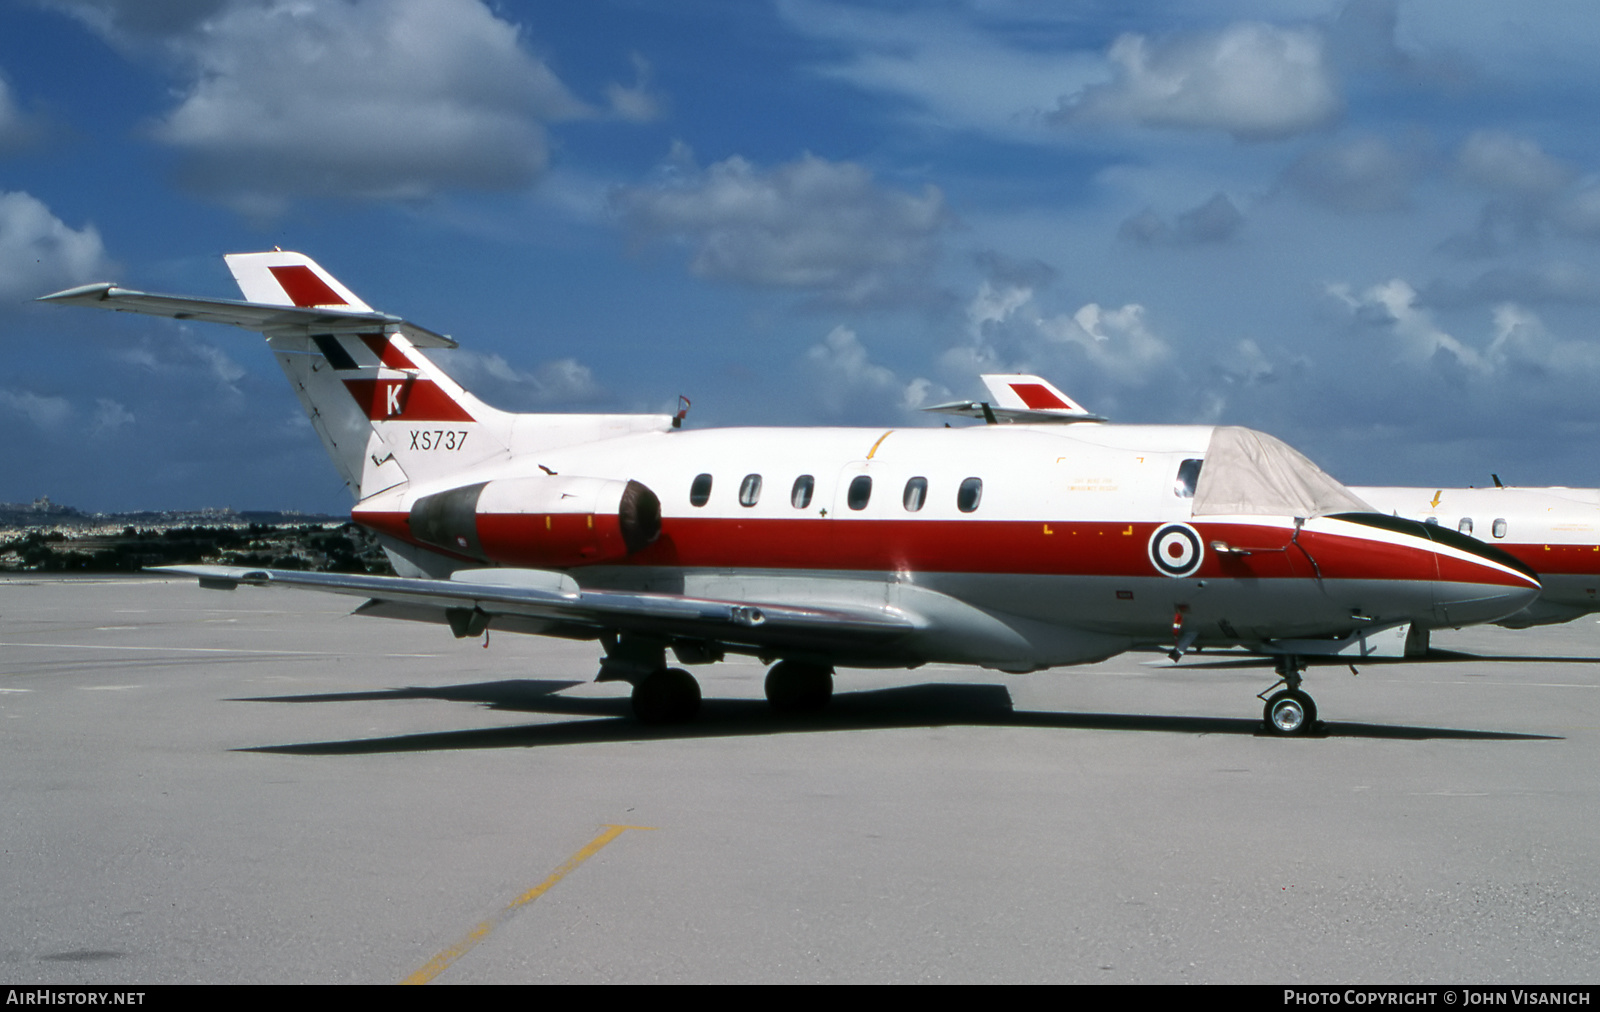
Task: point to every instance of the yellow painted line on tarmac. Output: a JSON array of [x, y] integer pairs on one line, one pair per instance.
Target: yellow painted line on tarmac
[[440, 963]]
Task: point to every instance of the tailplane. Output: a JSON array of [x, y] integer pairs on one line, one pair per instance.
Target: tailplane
[[386, 413]]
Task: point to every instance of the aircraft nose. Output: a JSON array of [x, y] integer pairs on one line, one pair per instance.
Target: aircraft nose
[[1475, 586], [1470, 582]]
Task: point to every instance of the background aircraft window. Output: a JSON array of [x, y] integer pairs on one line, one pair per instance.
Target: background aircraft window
[[1188, 478], [1465, 526], [1500, 528], [750, 490], [860, 492], [916, 492], [969, 495], [700, 491], [800, 495]]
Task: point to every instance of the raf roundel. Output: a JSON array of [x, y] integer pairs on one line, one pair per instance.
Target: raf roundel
[[1176, 550]]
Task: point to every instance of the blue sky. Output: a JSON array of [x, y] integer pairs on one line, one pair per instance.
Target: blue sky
[[1371, 228]]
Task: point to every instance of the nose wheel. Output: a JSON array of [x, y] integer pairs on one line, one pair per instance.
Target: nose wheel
[[1290, 711]]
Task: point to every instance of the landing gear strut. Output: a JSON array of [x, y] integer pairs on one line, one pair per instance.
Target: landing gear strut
[[661, 695], [798, 687], [1289, 711]]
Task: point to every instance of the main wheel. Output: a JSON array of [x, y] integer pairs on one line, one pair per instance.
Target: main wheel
[[1290, 712], [666, 696], [798, 687]]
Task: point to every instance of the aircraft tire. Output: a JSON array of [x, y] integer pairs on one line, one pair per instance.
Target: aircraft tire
[[1290, 712], [798, 687], [666, 696]]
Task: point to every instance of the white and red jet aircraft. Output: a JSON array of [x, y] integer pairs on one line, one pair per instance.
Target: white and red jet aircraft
[[1553, 531], [1016, 547]]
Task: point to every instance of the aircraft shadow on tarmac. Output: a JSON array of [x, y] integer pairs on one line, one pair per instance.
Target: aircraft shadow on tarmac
[[931, 705]]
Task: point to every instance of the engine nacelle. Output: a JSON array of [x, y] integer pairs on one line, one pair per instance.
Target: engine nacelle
[[543, 522]]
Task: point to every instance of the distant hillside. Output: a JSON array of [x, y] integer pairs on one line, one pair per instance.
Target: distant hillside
[[48, 537]]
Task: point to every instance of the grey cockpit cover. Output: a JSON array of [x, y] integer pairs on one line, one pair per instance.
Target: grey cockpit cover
[[1250, 472]]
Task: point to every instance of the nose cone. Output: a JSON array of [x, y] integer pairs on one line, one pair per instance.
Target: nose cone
[[1476, 586], [1469, 581]]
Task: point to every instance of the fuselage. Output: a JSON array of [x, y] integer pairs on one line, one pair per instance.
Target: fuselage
[[1080, 540]]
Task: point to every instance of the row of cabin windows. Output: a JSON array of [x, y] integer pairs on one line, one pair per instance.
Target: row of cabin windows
[[968, 495], [1498, 528]]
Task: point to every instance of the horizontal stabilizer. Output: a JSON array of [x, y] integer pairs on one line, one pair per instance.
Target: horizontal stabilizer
[[264, 317]]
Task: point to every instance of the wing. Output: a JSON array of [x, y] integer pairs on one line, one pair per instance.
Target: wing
[[269, 319], [551, 603]]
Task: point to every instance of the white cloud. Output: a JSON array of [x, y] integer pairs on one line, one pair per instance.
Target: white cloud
[[109, 415], [1215, 220], [849, 383], [1503, 161], [197, 361], [810, 225], [944, 65], [563, 381], [1099, 348], [1519, 342], [1252, 80], [638, 104], [44, 412], [1364, 173], [16, 130], [1394, 306], [360, 98], [39, 253]]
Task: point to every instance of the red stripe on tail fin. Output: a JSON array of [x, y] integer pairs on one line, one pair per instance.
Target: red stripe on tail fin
[[303, 286], [410, 400], [1038, 397]]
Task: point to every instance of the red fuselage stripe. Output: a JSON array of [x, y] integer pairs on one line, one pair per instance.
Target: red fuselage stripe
[[974, 546]]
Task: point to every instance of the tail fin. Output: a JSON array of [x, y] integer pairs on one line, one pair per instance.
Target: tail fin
[[386, 413], [290, 279], [1022, 392]]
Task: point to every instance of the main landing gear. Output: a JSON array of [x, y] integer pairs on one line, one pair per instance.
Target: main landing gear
[[666, 696], [798, 687], [663, 695], [1289, 711]]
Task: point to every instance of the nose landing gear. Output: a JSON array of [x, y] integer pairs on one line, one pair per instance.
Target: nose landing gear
[[1289, 711]]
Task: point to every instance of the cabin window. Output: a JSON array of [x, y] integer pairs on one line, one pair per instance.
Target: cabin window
[[750, 490], [916, 494], [1432, 520], [700, 490], [969, 495], [1465, 526], [1188, 478], [1500, 527], [860, 492], [800, 495]]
